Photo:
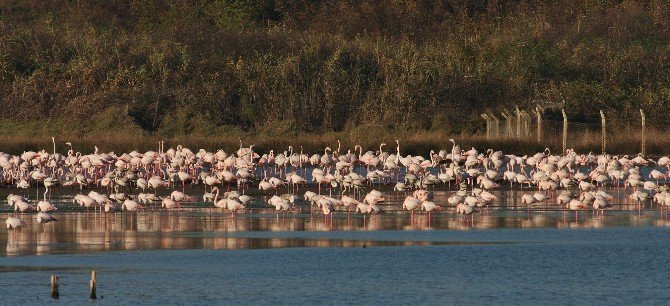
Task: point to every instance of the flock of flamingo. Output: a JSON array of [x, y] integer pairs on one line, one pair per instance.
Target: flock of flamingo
[[338, 180]]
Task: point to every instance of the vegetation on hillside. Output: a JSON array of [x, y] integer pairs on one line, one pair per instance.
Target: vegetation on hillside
[[174, 68]]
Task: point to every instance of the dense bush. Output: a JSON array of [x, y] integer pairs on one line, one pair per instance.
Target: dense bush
[[207, 67]]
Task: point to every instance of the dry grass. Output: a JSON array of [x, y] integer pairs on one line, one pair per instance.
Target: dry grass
[[370, 139]]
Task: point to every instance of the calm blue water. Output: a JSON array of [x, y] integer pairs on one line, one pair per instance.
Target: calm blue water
[[611, 265]]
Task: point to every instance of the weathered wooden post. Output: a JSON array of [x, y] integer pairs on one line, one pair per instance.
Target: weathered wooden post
[[54, 286], [488, 125], [93, 294], [508, 124], [496, 126], [644, 134], [565, 131], [523, 123], [518, 122], [526, 124], [512, 124], [539, 123], [604, 131], [529, 122]]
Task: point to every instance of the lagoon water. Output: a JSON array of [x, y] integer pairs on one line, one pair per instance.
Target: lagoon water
[[200, 258], [506, 255]]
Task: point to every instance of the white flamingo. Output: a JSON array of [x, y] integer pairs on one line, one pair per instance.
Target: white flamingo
[[43, 217], [14, 223], [410, 204], [45, 206]]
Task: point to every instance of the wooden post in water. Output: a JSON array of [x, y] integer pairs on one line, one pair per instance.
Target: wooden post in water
[[644, 134], [565, 131], [604, 131], [93, 295], [54, 286], [488, 125], [539, 124]]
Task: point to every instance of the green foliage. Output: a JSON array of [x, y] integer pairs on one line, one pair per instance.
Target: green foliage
[[175, 68], [111, 120], [279, 128]]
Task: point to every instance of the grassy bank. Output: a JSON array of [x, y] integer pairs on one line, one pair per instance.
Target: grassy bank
[[369, 139], [212, 67]]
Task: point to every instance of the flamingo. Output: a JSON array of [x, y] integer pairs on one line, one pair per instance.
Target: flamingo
[[600, 204], [43, 217], [410, 204], [363, 208], [84, 200], [22, 207], [348, 202], [423, 195], [233, 205], [111, 207], [15, 223], [244, 199], [429, 206], [575, 205], [209, 196], [48, 183], [147, 198], [13, 198], [465, 209], [265, 186], [45, 206], [183, 177], [131, 206], [540, 197], [327, 209], [180, 196], [279, 204], [373, 197], [155, 182], [211, 181], [169, 204], [142, 183]]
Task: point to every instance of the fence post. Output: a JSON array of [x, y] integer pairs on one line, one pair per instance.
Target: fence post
[[644, 134], [54, 286], [518, 122], [93, 295], [526, 123], [529, 119], [539, 123], [508, 123], [496, 126], [524, 128], [510, 128], [604, 130], [488, 126], [565, 131]]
